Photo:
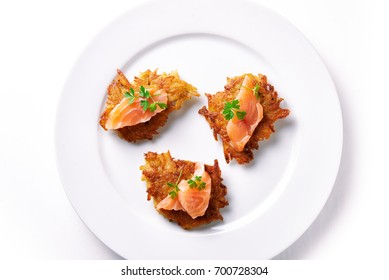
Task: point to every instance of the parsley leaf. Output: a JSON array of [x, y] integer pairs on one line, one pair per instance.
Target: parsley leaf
[[174, 192], [130, 96], [228, 114], [192, 183], [197, 183], [144, 103], [153, 107], [161, 105], [233, 107], [240, 114], [144, 92]]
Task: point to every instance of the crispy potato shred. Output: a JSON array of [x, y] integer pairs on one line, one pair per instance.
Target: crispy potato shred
[[178, 91], [271, 112], [159, 169]]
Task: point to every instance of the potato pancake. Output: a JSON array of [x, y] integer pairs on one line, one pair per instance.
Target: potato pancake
[[271, 113], [177, 91], [161, 169]]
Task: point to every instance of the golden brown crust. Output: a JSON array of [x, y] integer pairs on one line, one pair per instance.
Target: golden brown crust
[[271, 112], [159, 169], [178, 91]]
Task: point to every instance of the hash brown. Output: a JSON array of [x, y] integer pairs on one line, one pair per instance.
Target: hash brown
[[159, 169], [177, 90], [271, 113]]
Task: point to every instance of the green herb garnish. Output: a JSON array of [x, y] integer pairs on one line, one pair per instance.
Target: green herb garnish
[[256, 91], [153, 106], [130, 96], [230, 108], [144, 103], [174, 192], [145, 95], [197, 183], [161, 105], [144, 92], [240, 114]]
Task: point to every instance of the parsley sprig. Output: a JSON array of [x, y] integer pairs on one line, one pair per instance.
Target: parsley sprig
[[145, 95], [231, 108], [197, 183], [175, 189]]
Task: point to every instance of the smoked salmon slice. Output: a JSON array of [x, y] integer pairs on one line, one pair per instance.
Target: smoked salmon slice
[[126, 114], [192, 200], [169, 203], [240, 130]]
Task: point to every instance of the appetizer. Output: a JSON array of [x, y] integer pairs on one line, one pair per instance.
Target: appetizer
[[243, 114], [187, 193], [138, 109]]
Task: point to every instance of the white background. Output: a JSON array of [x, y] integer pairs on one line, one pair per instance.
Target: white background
[[39, 43]]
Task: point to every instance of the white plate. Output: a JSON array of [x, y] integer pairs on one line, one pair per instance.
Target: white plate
[[273, 200]]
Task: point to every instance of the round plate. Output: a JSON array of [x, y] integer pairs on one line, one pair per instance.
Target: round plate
[[273, 200]]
